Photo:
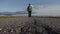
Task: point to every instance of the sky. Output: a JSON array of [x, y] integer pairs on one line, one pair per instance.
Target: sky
[[41, 7]]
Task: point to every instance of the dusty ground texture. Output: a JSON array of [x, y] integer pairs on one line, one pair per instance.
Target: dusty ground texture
[[13, 23]]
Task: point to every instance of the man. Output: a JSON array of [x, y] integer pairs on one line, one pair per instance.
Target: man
[[29, 9]]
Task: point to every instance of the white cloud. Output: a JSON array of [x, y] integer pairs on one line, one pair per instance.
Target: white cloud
[[43, 10], [39, 6]]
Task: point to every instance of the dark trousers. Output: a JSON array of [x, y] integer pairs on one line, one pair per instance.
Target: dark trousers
[[29, 13]]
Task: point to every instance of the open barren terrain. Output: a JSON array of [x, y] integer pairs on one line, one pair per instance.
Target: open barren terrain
[[15, 23]]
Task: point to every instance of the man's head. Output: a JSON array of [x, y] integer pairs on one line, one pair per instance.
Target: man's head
[[29, 4]]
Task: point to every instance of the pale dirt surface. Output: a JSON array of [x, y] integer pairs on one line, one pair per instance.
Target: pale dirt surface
[[54, 23], [18, 21]]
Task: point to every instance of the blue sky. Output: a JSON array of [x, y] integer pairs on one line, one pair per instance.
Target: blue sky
[[42, 7]]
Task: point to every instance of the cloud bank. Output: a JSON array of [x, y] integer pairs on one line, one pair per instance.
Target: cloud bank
[[43, 10]]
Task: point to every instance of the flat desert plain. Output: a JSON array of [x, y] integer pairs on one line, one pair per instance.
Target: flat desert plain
[[52, 22], [21, 21]]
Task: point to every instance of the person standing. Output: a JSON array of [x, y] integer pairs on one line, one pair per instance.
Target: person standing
[[29, 9]]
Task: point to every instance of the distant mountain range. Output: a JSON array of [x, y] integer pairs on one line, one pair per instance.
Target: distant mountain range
[[14, 13]]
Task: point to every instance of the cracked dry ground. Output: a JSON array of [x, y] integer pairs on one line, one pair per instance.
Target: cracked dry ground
[[32, 25]]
